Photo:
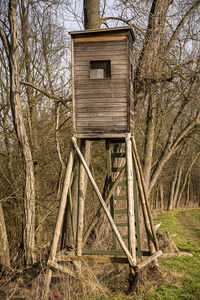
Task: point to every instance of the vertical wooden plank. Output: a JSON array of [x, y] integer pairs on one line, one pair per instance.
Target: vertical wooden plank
[[81, 204], [58, 226], [130, 195]]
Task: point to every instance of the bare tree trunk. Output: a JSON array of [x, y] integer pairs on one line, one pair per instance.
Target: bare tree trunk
[[188, 191], [185, 179], [171, 203], [16, 107], [91, 14], [149, 140], [4, 249], [29, 90], [161, 196], [178, 182]]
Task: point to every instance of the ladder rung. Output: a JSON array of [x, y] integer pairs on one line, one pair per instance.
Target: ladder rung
[[121, 211], [119, 197], [114, 155], [121, 224], [117, 169]]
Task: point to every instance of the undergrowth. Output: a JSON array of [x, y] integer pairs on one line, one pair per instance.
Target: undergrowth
[[177, 278]]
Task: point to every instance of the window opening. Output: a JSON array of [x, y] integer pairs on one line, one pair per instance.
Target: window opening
[[100, 69]]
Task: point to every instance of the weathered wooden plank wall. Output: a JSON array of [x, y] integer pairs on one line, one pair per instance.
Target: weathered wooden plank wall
[[100, 104]]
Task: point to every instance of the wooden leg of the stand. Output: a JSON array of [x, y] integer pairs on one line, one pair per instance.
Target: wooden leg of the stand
[[130, 194], [81, 202], [131, 210], [133, 281], [58, 226]]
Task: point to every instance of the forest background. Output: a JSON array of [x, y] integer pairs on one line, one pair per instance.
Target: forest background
[[35, 110]]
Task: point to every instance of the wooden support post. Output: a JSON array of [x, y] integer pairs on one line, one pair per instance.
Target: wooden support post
[[144, 209], [58, 226], [144, 192], [107, 212], [137, 217], [81, 203], [130, 194]]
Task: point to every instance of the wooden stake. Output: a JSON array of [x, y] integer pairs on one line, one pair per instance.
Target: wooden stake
[[81, 202], [107, 212], [58, 226], [130, 194]]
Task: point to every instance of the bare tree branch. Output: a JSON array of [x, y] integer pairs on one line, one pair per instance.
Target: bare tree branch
[[180, 25], [5, 41], [170, 148], [51, 96], [128, 22]]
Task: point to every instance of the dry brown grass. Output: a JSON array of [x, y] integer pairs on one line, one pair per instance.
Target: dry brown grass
[[98, 280]]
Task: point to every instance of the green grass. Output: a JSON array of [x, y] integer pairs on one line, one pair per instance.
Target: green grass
[[182, 281], [186, 224]]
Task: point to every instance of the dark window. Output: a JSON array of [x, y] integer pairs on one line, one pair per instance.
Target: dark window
[[100, 69]]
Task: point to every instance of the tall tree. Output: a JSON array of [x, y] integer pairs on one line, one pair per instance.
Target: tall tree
[[159, 83], [4, 250], [11, 48], [91, 14]]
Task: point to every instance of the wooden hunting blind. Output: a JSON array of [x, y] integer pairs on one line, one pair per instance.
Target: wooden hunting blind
[[102, 71]]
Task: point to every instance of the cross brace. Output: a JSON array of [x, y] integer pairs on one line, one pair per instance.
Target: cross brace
[[132, 163]]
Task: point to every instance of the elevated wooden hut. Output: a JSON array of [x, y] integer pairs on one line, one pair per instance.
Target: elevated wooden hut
[[102, 71]]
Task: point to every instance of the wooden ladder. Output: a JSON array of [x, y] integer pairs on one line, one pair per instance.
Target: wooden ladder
[[116, 161]]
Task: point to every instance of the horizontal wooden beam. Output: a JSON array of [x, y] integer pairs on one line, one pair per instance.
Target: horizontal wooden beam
[[93, 258], [99, 135], [115, 253]]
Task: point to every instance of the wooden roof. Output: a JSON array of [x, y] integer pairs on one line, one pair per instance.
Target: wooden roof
[[96, 31]]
